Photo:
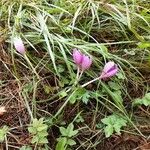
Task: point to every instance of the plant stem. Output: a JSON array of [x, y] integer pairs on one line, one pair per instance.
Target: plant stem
[[84, 85], [27, 59]]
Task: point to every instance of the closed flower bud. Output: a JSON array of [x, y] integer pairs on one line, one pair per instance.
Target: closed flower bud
[[110, 69], [19, 46], [82, 61]]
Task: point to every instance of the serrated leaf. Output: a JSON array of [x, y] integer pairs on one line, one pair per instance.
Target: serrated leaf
[[113, 123], [85, 97]]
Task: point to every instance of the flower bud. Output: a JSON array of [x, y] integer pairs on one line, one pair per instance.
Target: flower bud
[[110, 69], [19, 46], [82, 61]]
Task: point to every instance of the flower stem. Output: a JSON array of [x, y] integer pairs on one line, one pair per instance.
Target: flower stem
[[84, 85], [27, 59]]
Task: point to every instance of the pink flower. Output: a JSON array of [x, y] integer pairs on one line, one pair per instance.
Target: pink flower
[[19, 46], [110, 69], [81, 60]]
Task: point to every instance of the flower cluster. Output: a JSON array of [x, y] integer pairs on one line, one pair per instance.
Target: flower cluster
[[84, 62]]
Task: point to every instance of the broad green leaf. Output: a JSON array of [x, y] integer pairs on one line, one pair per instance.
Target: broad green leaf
[[70, 130], [63, 131], [61, 143]]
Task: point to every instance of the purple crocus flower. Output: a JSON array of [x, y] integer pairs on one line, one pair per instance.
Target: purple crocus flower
[[81, 60], [110, 69], [19, 46]]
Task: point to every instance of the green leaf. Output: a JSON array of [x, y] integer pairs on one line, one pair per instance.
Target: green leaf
[[70, 130], [43, 140], [114, 85], [3, 132], [35, 139], [32, 130], [71, 142], [143, 45], [108, 130], [79, 119], [113, 123], [142, 101], [120, 76], [61, 143], [117, 96], [42, 133], [43, 127], [63, 131], [77, 95], [38, 131], [85, 97]]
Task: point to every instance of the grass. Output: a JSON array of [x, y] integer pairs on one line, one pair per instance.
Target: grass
[[41, 84]]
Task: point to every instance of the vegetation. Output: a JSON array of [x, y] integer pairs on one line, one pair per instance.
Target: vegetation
[[50, 100]]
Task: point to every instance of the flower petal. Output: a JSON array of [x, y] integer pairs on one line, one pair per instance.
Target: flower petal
[[77, 56], [109, 65], [86, 62]]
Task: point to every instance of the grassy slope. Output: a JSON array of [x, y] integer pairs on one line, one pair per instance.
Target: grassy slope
[[108, 30]]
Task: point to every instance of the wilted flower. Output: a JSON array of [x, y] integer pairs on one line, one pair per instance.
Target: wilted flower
[[2, 110], [18, 43], [83, 62], [110, 69]]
